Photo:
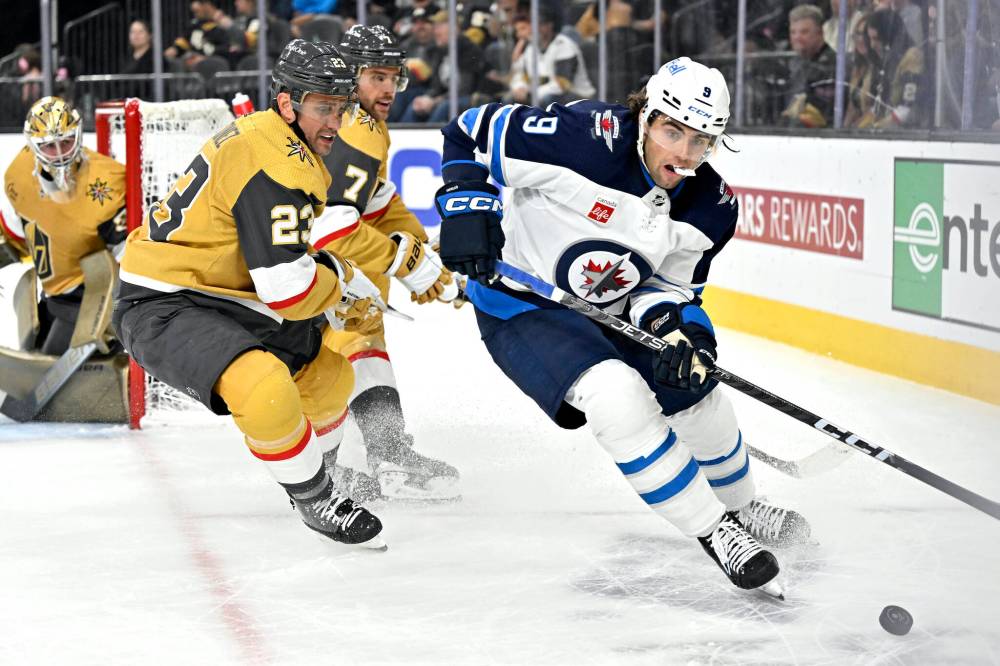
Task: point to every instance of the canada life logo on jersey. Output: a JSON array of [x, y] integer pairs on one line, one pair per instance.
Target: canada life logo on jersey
[[599, 271], [602, 210]]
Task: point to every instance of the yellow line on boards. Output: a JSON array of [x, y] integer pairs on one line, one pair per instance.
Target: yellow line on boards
[[953, 366]]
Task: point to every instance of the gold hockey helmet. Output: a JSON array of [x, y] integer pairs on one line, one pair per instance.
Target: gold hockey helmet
[[55, 133]]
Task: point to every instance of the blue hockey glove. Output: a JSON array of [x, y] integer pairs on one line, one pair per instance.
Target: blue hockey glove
[[471, 236], [690, 354]]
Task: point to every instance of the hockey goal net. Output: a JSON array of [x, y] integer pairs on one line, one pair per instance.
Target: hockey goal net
[[157, 142]]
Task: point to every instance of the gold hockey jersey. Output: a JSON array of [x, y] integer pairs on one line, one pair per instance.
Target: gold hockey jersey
[[236, 225], [57, 235], [364, 196]]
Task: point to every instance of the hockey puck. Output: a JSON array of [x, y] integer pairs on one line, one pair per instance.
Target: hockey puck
[[896, 620]]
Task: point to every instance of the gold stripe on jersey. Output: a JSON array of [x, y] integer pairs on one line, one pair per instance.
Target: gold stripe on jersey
[[237, 223], [58, 235]]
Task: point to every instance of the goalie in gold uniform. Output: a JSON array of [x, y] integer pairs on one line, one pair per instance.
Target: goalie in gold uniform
[[361, 196], [223, 298], [68, 202]]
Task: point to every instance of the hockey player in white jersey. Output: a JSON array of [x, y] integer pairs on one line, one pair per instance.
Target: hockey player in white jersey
[[634, 232]]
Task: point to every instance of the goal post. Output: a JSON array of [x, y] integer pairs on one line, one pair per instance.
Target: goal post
[[157, 141]]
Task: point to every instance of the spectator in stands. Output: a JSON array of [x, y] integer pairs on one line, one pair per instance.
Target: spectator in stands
[[433, 105], [423, 55], [247, 24], [562, 76], [897, 72], [811, 76], [140, 40], [29, 69], [859, 96], [831, 27], [911, 16], [405, 17], [206, 36]]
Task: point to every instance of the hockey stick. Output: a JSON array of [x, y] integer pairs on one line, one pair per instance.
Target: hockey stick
[[655, 343], [819, 462], [92, 321], [27, 408]]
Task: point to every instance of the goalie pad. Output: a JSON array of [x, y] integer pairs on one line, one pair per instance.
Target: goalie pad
[[94, 319], [96, 393]]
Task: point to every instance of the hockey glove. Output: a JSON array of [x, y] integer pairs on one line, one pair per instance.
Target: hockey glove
[[419, 268], [690, 351], [471, 235], [360, 300]]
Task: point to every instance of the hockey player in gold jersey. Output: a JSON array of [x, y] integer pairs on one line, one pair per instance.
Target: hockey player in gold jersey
[[68, 202], [223, 298], [362, 195]]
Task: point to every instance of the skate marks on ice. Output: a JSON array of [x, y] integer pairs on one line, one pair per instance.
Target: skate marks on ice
[[704, 619]]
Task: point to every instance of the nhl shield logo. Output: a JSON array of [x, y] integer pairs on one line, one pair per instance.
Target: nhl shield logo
[[606, 126]]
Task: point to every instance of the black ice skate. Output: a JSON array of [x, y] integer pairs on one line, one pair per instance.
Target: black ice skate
[[773, 526], [741, 558], [335, 515], [404, 474]]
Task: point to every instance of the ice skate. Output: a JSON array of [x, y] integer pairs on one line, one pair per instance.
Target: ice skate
[[336, 516], [773, 526], [741, 557], [356, 484], [404, 474]]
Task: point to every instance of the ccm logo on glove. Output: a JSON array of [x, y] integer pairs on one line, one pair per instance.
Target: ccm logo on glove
[[463, 204]]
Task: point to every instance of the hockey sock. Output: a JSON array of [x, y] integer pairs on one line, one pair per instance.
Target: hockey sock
[[379, 416], [265, 405], [627, 421], [710, 430]]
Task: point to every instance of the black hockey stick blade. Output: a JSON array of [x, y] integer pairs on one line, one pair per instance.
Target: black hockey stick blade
[[650, 341], [54, 378]]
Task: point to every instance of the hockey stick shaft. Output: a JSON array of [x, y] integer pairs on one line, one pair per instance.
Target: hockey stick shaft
[[27, 408], [800, 414]]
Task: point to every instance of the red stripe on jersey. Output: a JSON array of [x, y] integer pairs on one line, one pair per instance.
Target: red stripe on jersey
[[277, 305], [333, 426], [367, 217], [368, 353], [10, 232], [288, 453], [340, 233]]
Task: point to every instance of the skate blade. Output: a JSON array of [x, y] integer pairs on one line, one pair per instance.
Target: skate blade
[[395, 487], [376, 543], [773, 589]]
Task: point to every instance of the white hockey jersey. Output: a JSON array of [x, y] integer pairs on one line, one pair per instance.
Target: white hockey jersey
[[584, 213]]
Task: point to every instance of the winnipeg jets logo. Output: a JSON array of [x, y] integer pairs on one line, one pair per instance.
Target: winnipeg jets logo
[[606, 126], [599, 279], [99, 191], [298, 149], [600, 270]]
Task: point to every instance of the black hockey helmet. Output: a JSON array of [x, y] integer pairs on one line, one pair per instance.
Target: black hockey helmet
[[374, 46], [312, 67]]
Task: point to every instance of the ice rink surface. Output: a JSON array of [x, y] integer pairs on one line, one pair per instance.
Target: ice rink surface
[[173, 545]]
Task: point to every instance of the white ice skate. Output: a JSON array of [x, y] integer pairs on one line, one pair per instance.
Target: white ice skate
[[408, 475], [773, 526]]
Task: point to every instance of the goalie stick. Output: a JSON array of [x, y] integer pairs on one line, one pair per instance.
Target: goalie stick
[[88, 337], [655, 343]]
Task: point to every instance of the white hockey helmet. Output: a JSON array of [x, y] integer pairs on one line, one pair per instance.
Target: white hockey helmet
[[690, 93]]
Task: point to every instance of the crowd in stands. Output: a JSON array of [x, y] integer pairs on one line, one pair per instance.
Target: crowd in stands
[[790, 72]]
